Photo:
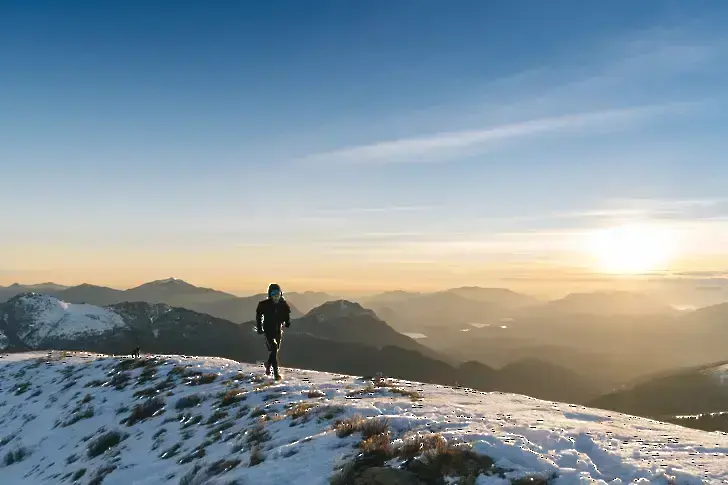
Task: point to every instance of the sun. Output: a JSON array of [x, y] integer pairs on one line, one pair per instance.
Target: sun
[[633, 248]]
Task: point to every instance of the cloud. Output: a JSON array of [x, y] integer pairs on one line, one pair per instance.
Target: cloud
[[624, 79], [649, 208], [459, 143]]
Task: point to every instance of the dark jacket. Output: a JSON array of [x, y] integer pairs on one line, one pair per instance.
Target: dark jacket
[[270, 315]]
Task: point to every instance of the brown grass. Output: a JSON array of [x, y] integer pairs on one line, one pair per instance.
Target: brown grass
[[329, 411], [369, 389], [300, 410], [256, 456], [231, 397], [413, 395], [190, 401], [217, 416], [428, 458], [148, 409], [222, 466], [198, 378], [458, 461], [257, 434], [367, 427], [378, 443]]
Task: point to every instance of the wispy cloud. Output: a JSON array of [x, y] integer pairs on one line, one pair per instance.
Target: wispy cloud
[[625, 80], [459, 143]]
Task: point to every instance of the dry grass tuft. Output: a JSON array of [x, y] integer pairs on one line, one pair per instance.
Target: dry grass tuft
[[427, 459], [256, 456], [105, 442], [378, 443], [231, 397], [148, 409], [222, 466], [190, 401], [218, 415], [300, 410], [257, 434], [314, 393], [367, 427], [413, 395], [415, 445]]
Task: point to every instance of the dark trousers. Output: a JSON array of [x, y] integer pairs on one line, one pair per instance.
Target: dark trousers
[[273, 342]]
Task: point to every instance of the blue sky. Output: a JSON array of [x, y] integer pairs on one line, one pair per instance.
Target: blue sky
[[319, 140]]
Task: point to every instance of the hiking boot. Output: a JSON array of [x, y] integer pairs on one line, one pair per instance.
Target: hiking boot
[[267, 368], [278, 376]]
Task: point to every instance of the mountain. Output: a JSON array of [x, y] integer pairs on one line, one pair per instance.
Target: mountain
[[609, 303], [179, 293], [696, 390], [92, 294], [547, 380], [16, 289], [388, 296], [500, 296], [711, 320], [71, 417], [33, 321], [444, 310], [238, 309], [346, 321], [308, 300], [175, 292]]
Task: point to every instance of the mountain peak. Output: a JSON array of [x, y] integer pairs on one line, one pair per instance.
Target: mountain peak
[[339, 309], [171, 280]]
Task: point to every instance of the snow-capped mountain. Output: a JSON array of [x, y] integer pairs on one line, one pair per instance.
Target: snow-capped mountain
[[87, 418], [38, 320]]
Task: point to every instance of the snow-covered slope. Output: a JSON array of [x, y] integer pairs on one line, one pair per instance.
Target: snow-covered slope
[[48, 318], [87, 418]]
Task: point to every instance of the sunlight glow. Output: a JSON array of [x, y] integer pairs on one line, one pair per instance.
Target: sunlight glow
[[633, 248]]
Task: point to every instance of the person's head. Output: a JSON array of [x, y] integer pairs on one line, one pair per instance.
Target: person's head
[[274, 292]]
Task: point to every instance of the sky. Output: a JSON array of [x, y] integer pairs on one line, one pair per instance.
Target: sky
[[361, 145]]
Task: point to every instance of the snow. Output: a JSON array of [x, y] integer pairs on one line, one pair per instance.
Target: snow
[[523, 435], [415, 335], [55, 318]]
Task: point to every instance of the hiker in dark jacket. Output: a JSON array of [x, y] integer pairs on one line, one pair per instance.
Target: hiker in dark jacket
[[270, 316]]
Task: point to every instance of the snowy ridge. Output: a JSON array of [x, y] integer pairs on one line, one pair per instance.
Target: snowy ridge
[[4, 342], [53, 318], [79, 417]]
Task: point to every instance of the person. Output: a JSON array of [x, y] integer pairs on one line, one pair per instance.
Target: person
[[270, 317]]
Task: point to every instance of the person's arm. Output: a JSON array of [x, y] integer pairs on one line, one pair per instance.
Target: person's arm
[[287, 314], [259, 317]]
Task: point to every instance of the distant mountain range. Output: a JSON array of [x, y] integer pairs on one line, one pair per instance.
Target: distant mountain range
[[173, 292], [695, 396], [614, 337], [34, 321]]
